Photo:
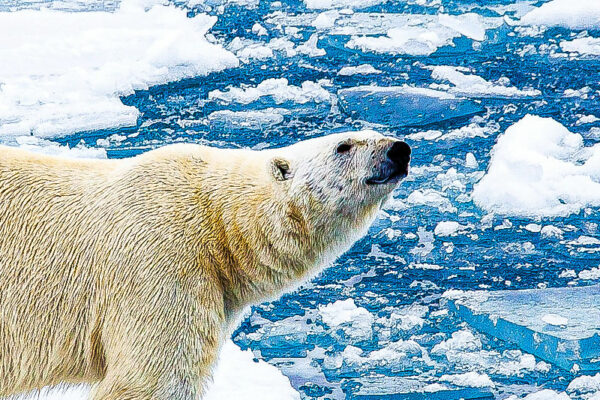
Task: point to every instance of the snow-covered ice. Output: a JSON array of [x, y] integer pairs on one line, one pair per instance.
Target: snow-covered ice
[[538, 167], [63, 72], [580, 14]]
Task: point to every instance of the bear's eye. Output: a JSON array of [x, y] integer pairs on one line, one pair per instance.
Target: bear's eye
[[343, 148]]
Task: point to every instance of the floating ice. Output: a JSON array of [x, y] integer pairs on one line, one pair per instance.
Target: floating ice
[[580, 14], [404, 105], [38, 145], [255, 120], [277, 89], [472, 379], [363, 69], [585, 45], [355, 322], [539, 168], [327, 4], [237, 376], [522, 317], [448, 228], [585, 384], [421, 34], [67, 74], [475, 86], [414, 388]]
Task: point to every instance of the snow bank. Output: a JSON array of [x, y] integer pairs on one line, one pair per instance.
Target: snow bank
[[237, 376], [580, 14], [63, 72], [539, 168], [476, 86]]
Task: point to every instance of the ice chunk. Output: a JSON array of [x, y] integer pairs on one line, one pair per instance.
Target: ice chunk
[[580, 14], [277, 89], [363, 69], [414, 388], [539, 168], [404, 105], [448, 228], [472, 379], [355, 322], [585, 384], [327, 4], [237, 376], [67, 74], [255, 120], [585, 45], [417, 35], [524, 317], [475, 86]]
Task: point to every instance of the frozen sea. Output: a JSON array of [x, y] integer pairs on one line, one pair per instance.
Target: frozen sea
[[498, 99]]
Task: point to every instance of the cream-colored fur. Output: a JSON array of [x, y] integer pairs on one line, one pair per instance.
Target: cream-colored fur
[[131, 273]]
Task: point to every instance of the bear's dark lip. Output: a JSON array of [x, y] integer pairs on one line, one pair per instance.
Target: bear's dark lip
[[395, 177]]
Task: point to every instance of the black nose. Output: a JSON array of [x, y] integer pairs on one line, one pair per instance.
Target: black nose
[[399, 153]]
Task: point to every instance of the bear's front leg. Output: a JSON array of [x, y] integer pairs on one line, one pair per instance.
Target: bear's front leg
[[165, 351]]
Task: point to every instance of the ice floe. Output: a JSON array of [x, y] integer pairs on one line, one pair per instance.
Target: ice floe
[[279, 90], [539, 168], [67, 74], [580, 14], [475, 86]]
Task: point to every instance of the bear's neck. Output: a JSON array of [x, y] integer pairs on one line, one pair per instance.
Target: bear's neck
[[273, 248]]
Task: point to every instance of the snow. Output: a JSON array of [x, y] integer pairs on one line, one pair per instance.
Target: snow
[[63, 72], [472, 379], [545, 394], [278, 89], [580, 14], [475, 86], [539, 168], [237, 376]]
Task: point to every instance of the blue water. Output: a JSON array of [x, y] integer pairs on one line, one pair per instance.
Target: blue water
[[511, 258]]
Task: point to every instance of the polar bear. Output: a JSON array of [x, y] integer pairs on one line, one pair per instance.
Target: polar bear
[[129, 274]]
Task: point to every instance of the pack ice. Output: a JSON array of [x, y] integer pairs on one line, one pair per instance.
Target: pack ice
[[559, 325]]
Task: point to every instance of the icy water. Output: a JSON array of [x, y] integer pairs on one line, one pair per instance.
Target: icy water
[[396, 324]]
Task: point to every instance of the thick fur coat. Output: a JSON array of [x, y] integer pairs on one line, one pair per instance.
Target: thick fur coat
[[131, 273]]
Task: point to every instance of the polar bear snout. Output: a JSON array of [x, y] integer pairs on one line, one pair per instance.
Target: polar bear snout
[[399, 153], [395, 165]]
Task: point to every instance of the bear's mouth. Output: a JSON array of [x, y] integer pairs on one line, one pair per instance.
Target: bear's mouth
[[391, 174]]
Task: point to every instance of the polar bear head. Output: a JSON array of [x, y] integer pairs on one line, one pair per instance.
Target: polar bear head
[[338, 182]]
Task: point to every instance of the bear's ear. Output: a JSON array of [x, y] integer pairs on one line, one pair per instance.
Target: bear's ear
[[280, 168]]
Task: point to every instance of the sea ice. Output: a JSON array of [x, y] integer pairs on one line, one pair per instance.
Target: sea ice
[[277, 89], [67, 74], [539, 168], [559, 325], [404, 105], [415, 388], [363, 69], [580, 14], [585, 45], [470, 85]]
